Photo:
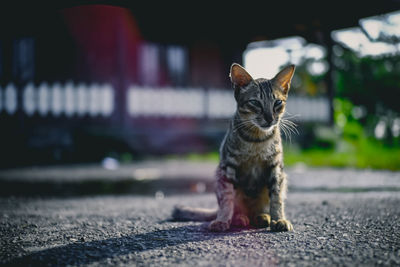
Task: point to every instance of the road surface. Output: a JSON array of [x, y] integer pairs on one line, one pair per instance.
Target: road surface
[[331, 228]]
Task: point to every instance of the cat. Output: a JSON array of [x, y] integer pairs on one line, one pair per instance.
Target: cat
[[251, 183]]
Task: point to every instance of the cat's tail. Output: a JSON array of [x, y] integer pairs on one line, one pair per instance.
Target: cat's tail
[[184, 213]]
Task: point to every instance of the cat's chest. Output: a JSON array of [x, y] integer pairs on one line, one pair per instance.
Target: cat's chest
[[255, 163], [254, 154], [253, 176]]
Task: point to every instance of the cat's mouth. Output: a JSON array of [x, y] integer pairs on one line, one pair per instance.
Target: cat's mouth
[[267, 129], [267, 126]]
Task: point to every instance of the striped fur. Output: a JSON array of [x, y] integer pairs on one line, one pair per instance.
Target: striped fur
[[251, 183]]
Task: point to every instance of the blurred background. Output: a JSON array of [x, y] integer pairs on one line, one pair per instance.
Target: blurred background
[[119, 83]]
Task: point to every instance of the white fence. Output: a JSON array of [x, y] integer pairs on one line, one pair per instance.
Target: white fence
[[57, 99], [77, 100], [316, 109], [212, 104], [172, 102]]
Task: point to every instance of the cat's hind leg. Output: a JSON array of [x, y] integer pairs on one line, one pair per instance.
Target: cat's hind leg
[[225, 196], [240, 220]]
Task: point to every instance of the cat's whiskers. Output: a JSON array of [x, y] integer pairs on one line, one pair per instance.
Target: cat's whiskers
[[291, 126], [284, 130], [254, 130], [290, 116], [242, 124], [269, 130], [288, 127]]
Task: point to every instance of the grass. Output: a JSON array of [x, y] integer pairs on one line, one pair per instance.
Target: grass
[[369, 155], [210, 156], [366, 157]]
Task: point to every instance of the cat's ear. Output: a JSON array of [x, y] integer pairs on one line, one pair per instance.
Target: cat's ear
[[284, 77], [239, 76]]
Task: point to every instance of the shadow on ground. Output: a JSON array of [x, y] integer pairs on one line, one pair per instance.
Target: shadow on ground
[[80, 253]]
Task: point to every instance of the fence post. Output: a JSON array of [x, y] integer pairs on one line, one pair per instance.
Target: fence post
[[329, 76]]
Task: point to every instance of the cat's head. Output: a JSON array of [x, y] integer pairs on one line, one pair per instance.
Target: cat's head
[[261, 102]]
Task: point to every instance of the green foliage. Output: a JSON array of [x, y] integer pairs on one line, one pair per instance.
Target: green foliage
[[210, 156], [368, 155], [371, 82], [351, 145]]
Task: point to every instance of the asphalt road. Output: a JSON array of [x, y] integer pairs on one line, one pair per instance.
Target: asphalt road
[[174, 177], [331, 228]]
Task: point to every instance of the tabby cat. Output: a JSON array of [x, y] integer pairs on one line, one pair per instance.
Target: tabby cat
[[251, 184]]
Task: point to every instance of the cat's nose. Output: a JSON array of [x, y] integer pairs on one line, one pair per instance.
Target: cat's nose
[[268, 119]]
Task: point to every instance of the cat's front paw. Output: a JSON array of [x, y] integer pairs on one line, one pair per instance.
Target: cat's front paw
[[281, 225], [218, 226], [263, 220]]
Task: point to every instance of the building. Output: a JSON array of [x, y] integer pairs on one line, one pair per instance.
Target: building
[[74, 77]]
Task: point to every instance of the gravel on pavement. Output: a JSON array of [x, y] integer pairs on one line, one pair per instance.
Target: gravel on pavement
[[331, 228]]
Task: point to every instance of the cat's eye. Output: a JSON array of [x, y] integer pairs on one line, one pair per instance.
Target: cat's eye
[[277, 105], [255, 103]]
